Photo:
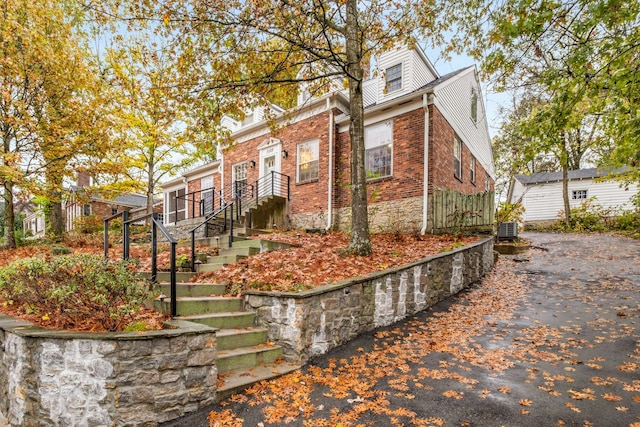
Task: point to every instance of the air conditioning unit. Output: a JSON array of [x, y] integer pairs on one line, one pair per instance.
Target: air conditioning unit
[[508, 230]]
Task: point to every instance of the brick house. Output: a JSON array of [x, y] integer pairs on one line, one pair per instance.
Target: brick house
[[78, 203], [425, 135]]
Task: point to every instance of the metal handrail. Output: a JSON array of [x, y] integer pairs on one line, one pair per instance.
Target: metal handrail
[[191, 197], [125, 248], [207, 219], [156, 224]]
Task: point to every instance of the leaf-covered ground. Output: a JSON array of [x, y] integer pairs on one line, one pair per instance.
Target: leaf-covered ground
[[550, 340], [316, 259], [312, 261]]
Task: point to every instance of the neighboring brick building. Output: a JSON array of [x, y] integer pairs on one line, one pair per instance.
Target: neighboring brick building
[[424, 134], [78, 203]]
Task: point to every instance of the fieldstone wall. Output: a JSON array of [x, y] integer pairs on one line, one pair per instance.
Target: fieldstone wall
[[403, 215], [311, 323], [62, 378]]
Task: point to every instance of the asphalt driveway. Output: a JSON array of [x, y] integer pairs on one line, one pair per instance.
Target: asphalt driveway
[[550, 338]]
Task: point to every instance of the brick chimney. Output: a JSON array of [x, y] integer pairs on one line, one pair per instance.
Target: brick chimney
[[82, 179]]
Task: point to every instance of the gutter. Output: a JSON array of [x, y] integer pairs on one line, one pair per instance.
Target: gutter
[[330, 179], [427, 99]]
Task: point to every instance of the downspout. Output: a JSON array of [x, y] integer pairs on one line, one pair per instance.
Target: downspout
[[330, 174], [426, 100]]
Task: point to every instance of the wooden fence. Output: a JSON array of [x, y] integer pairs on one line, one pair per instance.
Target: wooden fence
[[453, 212]]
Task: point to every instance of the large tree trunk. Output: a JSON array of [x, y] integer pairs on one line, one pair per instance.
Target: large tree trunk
[[565, 182], [53, 218], [360, 242], [9, 217], [53, 210]]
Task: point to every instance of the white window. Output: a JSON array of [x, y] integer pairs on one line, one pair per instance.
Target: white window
[[378, 143], [308, 161], [472, 176], [457, 158], [240, 178], [393, 78], [487, 182], [474, 105], [579, 195]]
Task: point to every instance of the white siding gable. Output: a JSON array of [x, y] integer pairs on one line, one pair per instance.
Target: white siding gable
[[453, 99], [423, 72]]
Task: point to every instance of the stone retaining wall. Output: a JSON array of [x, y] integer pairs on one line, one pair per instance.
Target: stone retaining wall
[[311, 323], [63, 378]]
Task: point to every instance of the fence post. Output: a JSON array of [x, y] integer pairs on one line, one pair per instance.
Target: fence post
[[193, 251], [154, 252], [173, 284], [231, 229], [106, 239], [125, 235]]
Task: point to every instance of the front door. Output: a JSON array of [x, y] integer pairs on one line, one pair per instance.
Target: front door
[[270, 153], [268, 176]]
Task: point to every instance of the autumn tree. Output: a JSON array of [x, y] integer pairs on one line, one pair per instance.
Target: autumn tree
[[582, 54], [256, 48]]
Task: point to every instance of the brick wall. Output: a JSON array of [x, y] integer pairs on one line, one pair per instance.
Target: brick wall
[[441, 172], [308, 205], [307, 197], [407, 170]]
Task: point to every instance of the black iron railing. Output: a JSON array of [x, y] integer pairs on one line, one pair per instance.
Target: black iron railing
[[227, 219], [156, 225], [202, 202]]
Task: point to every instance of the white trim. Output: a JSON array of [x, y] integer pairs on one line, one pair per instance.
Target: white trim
[[330, 177]]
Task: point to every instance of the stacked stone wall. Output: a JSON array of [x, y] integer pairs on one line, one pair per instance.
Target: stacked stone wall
[[311, 323], [61, 378]]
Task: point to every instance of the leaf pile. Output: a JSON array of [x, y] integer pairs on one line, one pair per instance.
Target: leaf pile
[[316, 260]]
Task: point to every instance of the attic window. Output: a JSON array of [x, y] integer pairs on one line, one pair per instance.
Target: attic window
[[579, 195], [474, 105], [457, 158], [393, 78]]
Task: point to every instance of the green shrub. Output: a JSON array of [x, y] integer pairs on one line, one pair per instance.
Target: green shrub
[[90, 224], [60, 250], [72, 289], [628, 221]]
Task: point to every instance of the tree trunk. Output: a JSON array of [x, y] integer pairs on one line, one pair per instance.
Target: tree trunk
[[565, 182], [360, 242], [9, 217], [53, 210]]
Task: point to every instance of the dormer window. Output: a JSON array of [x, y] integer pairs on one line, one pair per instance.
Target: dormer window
[[393, 78]]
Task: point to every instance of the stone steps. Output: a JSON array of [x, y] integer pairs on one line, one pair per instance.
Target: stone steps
[[247, 357], [227, 320], [238, 380], [244, 354], [193, 289]]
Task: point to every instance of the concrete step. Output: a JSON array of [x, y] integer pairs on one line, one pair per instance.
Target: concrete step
[[203, 268], [247, 357], [238, 380], [164, 276], [224, 259], [237, 250], [229, 320], [193, 289], [228, 339], [187, 306]]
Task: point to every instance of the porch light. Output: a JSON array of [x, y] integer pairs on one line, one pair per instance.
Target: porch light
[[285, 154], [252, 164]]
